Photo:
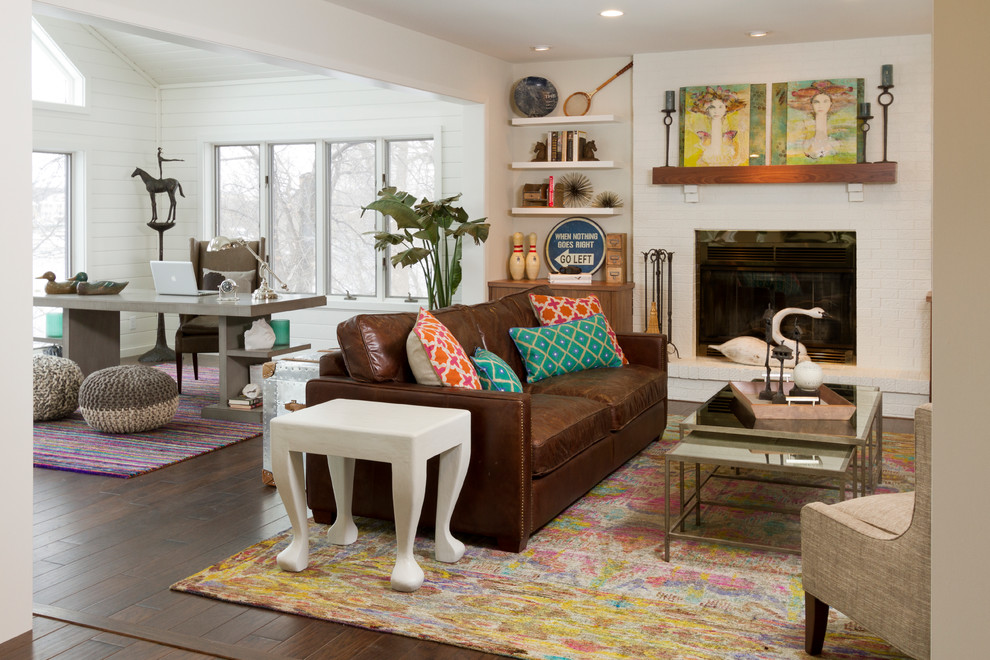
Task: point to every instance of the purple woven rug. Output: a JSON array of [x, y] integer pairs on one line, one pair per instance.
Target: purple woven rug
[[71, 444]]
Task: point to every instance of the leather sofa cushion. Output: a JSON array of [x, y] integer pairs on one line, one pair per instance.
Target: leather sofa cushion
[[562, 427], [626, 391]]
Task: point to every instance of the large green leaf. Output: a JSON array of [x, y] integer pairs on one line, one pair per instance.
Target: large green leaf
[[410, 257]]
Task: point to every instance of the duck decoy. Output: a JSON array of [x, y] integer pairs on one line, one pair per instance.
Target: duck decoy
[[753, 350], [104, 287], [53, 287]]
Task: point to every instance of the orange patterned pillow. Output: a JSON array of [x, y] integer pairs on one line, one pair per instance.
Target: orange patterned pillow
[[445, 353], [551, 310]]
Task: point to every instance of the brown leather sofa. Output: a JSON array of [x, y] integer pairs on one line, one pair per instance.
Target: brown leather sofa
[[532, 454]]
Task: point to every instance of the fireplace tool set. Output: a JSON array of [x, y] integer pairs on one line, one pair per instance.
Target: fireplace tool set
[[657, 271]]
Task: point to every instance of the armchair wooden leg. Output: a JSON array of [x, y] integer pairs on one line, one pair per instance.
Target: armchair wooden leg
[[178, 370], [195, 366], [815, 622]]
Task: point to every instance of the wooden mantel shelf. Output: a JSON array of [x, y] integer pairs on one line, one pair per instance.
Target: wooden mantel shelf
[[852, 173]]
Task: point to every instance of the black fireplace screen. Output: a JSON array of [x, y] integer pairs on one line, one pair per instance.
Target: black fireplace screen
[[740, 273]]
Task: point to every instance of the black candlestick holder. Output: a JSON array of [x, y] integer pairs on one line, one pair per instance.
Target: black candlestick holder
[[767, 393], [667, 121], [885, 99], [865, 127]]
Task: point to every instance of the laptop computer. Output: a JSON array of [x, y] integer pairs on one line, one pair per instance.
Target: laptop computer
[[176, 278]]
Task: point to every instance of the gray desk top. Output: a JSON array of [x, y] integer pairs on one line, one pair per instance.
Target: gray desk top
[[144, 300]]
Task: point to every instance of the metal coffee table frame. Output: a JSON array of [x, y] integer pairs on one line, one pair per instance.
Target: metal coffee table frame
[[726, 451], [721, 414]]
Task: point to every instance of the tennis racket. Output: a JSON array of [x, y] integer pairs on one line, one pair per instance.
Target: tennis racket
[[579, 103]]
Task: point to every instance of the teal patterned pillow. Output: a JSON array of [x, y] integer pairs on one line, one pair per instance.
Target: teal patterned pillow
[[565, 347], [494, 373]]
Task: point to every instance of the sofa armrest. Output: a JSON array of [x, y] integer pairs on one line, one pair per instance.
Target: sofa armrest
[[646, 349], [332, 364], [500, 470]]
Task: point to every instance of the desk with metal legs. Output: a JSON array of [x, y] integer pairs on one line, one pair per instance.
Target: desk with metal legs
[[91, 332]]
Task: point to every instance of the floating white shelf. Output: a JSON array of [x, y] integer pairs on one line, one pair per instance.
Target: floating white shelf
[[565, 165], [562, 120], [563, 210]]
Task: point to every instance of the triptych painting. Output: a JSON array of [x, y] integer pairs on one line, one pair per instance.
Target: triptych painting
[[810, 122]]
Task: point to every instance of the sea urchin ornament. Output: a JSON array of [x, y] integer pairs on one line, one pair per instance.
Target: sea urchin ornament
[[607, 200], [574, 189]]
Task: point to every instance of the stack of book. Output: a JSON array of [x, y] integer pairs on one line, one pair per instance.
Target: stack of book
[[244, 403], [565, 146]]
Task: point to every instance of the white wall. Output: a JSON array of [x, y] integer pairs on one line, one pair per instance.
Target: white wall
[[307, 108], [614, 142], [15, 331], [892, 225], [111, 136]]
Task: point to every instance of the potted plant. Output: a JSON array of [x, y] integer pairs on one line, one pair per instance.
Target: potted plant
[[432, 234]]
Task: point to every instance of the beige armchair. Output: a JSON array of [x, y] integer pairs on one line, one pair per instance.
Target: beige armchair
[[201, 334], [870, 558]]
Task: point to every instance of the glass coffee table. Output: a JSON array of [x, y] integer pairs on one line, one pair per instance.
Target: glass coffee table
[[723, 434]]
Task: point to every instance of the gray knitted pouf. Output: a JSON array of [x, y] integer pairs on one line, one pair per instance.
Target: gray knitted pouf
[[128, 399], [56, 387]]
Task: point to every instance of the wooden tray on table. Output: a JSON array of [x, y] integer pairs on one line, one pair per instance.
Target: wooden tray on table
[[831, 405]]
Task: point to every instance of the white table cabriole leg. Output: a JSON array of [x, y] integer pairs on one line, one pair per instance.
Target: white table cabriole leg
[[287, 467], [453, 469], [408, 488], [343, 531]]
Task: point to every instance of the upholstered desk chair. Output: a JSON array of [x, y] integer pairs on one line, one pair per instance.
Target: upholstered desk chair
[[870, 558], [201, 334]]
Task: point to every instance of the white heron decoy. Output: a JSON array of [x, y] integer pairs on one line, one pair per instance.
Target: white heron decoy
[[753, 350]]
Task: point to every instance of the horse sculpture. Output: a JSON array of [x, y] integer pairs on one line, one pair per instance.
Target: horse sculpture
[[155, 186]]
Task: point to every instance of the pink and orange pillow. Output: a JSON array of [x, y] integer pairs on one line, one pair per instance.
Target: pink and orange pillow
[[551, 310], [436, 357]]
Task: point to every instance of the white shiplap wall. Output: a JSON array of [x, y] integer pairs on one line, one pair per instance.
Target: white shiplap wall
[[114, 133], [194, 117]]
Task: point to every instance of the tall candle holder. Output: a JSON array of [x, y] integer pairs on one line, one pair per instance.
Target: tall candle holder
[[865, 127], [782, 354], [885, 99], [767, 393], [667, 121]]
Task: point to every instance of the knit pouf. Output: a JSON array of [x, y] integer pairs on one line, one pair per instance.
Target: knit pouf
[[128, 399], [56, 387]]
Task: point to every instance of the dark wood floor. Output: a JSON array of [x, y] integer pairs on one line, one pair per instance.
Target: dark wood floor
[[106, 551]]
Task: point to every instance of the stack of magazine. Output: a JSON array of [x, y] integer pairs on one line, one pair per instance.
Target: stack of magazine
[[244, 403]]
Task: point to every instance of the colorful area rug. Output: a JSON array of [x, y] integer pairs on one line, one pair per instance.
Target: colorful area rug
[[71, 444], [591, 584]]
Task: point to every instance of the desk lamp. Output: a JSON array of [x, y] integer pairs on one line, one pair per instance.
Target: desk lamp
[[263, 292]]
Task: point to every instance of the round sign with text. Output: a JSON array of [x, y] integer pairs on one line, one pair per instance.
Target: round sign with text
[[575, 241]]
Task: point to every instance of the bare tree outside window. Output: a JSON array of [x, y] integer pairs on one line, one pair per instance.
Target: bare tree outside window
[[353, 262], [50, 217], [239, 191], [410, 168], [293, 203]]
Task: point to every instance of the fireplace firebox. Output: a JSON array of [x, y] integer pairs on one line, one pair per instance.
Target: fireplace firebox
[[739, 273]]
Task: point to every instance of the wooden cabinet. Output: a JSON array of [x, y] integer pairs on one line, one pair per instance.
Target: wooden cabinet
[[616, 299]]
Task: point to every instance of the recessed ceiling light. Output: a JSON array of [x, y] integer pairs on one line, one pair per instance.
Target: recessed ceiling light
[[757, 33], [611, 13], [539, 49]]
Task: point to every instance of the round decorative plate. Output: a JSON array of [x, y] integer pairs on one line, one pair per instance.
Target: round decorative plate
[[534, 96]]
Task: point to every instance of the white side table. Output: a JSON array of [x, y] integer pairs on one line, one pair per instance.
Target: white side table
[[405, 436]]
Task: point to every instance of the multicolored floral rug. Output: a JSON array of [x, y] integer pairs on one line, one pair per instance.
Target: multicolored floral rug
[[72, 444], [591, 584]]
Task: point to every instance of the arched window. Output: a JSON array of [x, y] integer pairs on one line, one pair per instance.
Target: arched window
[[54, 78]]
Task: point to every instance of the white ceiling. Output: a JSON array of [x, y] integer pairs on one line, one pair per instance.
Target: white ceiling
[[506, 29]]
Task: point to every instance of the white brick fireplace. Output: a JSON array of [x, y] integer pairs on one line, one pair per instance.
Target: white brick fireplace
[[892, 223]]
